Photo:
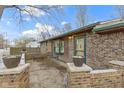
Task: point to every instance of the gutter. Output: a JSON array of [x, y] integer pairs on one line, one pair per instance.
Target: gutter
[[107, 27], [71, 32]]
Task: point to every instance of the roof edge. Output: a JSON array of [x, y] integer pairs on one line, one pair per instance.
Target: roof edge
[[72, 31], [108, 26]]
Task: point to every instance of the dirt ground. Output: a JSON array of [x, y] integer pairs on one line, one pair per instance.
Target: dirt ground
[[46, 74]]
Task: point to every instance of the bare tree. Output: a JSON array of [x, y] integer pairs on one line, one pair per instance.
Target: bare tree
[[81, 15], [52, 14], [22, 41], [120, 11], [67, 27], [1, 10]]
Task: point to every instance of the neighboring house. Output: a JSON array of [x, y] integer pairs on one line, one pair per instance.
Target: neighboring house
[[33, 44], [98, 43]]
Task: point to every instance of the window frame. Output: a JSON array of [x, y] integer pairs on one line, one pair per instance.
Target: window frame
[[56, 46], [60, 46], [75, 44]]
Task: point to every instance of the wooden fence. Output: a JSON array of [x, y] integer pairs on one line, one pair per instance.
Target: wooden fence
[[31, 53], [18, 50]]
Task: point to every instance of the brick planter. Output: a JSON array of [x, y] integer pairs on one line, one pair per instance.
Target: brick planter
[[15, 78], [86, 77]]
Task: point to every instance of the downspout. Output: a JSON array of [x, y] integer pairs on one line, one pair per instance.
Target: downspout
[[85, 47]]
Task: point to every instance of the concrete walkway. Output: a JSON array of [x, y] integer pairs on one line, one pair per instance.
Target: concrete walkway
[[47, 74]]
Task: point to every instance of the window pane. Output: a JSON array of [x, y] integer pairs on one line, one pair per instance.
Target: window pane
[[59, 46], [79, 53], [79, 41], [80, 44], [56, 46], [62, 47]]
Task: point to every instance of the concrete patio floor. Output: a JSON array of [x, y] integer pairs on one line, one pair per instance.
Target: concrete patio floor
[[47, 74]]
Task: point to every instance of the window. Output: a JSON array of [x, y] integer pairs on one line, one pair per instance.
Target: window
[[62, 47], [56, 46], [59, 46], [79, 46]]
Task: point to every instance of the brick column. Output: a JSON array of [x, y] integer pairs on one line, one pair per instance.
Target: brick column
[[78, 76], [15, 78]]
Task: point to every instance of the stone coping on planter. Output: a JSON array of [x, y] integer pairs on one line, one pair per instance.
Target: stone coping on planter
[[84, 68], [103, 71], [15, 70], [116, 62], [77, 57]]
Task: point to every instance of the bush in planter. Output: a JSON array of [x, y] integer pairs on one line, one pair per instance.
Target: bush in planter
[[78, 61]]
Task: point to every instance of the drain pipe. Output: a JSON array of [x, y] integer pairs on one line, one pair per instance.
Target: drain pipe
[[85, 47]]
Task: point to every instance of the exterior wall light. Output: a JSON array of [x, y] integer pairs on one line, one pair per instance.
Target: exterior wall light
[[70, 37]]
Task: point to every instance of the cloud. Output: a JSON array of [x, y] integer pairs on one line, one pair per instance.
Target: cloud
[[2, 19], [45, 28], [63, 23], [41, 31], [33, 11], [37, 25], [8, 23], [26, 19], [12, 43], [30, 34]]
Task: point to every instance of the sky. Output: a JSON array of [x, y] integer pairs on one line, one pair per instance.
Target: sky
[[9, 23]]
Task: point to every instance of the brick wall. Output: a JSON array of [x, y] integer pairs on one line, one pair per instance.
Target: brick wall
[[71, 49], [68, 50], [65, 57], [95, 80], [102, 48], [107, 78], [78, 80], [49, 47], [20, 80], [118, 65]]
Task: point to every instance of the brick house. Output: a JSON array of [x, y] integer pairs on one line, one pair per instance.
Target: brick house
[[98, 43]]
